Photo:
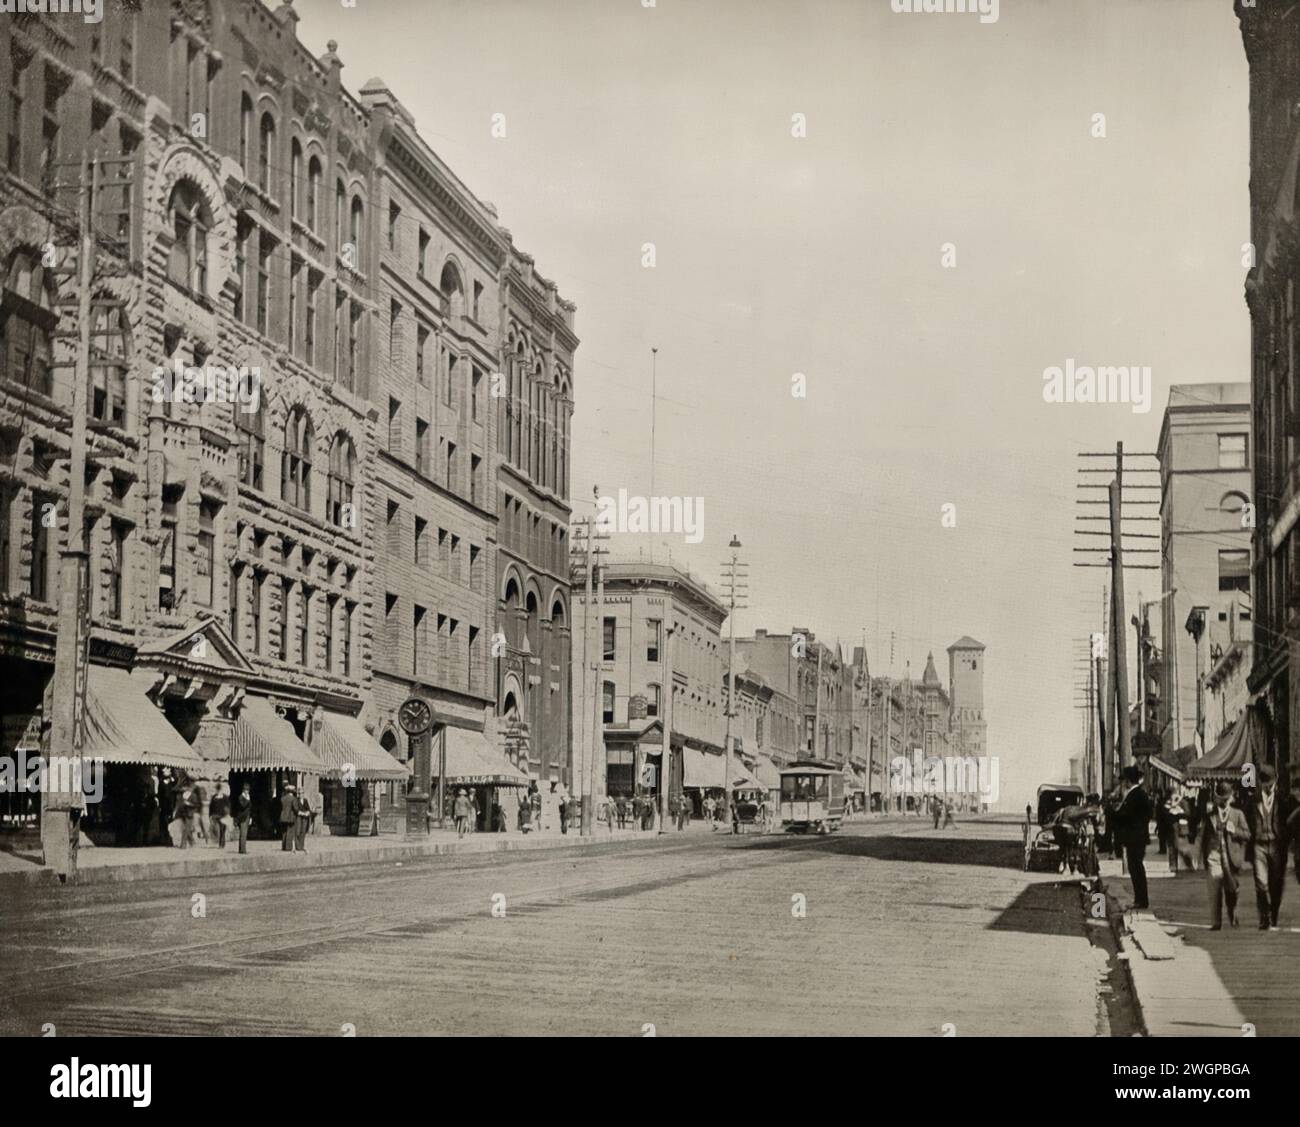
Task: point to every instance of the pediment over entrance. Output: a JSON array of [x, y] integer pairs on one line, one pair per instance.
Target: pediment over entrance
[[205, 645]]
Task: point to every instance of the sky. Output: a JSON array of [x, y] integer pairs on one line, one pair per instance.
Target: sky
[[822, 254]]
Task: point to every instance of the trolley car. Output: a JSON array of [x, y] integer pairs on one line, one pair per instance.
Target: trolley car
[[812, 796]]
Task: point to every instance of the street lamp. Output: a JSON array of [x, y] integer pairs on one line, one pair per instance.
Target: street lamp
[[1195, 626]]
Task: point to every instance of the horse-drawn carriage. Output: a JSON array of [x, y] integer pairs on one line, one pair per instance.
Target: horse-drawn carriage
[[1042, 833]]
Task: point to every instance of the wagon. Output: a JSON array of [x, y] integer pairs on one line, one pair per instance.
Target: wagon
[[1039, 840]]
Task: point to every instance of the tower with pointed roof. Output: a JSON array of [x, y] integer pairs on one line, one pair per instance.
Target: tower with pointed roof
[[966, 689]]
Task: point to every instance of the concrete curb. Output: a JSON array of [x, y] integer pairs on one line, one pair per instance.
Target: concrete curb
[[270, 862]]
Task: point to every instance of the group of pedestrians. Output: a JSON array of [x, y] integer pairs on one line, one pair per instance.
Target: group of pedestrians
[[296, 815], [1229, 837]]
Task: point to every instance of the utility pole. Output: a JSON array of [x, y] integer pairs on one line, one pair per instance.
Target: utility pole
[[1118, 622], [583, 773], [61, 818], [597, 756], [817, 707], [665, 755], [733, 579]]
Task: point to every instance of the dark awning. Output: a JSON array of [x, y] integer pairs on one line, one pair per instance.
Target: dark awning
[[1235, 748], [1175, 763]]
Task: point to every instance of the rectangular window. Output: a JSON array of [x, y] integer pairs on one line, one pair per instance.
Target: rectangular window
[[295, 282], [420, 633], [304, 624], [472, 678], [608, 640], [394, 214], [655, 637], [451, 466], [265, 248], [314, 280], [475, 567], [394, 327], [424, 251], [331, 609], [345, 641], [1232, 451], [1234, 570], [421, 540], [286, 607], [354, 343], [341, 373], [39, 577], [421, 343], [393, 530], [394, 425], [652, 700], [50, 125], [205, 561], [478, 294], [474, 462], [259, 595], [451, 376], [607, 702], [475, 380], [421, 446], [236, 596], [392, 633]]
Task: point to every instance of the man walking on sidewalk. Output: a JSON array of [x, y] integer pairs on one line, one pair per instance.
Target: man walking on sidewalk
[[288, 818], [1267, 821], [243, 815], [1224, 834], [1132, 832]]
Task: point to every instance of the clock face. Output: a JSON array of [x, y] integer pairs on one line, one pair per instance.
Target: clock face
[[414, 716]]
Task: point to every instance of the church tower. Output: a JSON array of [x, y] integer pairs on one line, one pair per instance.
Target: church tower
[[966, 686]]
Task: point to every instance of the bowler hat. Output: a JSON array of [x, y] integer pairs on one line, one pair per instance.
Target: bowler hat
[[1267, 774]]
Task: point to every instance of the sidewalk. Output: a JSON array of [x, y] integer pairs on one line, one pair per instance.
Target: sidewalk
[[107, 864], [1192, 981]]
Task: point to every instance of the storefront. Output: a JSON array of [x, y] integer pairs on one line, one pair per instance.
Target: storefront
[[267, 755], [475, 765], [356, 775]]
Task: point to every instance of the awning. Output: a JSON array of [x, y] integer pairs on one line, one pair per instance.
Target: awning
[[852, 780], [124, 726], [702, 769], [1235, 748], [472, 760], [744, 777], [346, 748], [1175, 763], [768, 773], [265, 741]]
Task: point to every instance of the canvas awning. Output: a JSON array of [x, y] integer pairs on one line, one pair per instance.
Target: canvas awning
[[768, 773], [473, 760], [347, 750], [1235, 748], [124, 726], [266, 741], [702, 769], [1175, 763]]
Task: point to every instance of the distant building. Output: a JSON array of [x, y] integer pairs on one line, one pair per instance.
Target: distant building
[[966, 724], [1204, 451]]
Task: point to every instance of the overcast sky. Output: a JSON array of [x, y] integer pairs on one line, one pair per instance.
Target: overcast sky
[[821, 255]]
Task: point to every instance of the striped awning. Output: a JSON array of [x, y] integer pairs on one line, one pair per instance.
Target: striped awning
[[474, 761], [265, 741], [124, 726], [702, 769], [346, 749]]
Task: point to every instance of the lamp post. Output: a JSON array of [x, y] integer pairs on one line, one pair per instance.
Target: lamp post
[[1195, 626]]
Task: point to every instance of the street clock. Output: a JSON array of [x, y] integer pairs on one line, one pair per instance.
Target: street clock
[[415, 717]]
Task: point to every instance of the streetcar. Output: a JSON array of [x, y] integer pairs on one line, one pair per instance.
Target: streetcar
[[812, 796]]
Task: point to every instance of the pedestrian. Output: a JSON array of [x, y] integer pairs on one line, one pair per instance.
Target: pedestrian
[[937, 810], [1173, 809], [564, 815], [1224, 836], [303, 810], [188, 812], [498, 818], [473, 810], [288, 818], [610, 810], [460, 810], [948, 819], [1133, 831], [1267, 821], [620, 808], [243, 815], [219, 812], [710, 806]]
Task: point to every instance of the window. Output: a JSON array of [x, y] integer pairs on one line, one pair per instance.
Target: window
[[652, 700], [295, 475], [391, 632], [424, 251], [607, 702], [187, 261], [608, 640], [304, 624], [1234, 569], [345, 642], [451, 465], [655, 632], [475, 379], [421, 540], [206, 559], [341, 473], [295, 177], [39, 576], [265, 148], [420, 632], [259, 594], [340, 208], [393, 529], [108, 364], [167, 556], [286, 602], [394, 425], [421, 345], [331, 609], [295, 283], [314, 279], [27, 322], [15, 152], [236, 599], [1233, 502], [478, 295], [313, 192], [245, 131], [358, 218], [265, 249], [1232, 451], [54, 87], [250, 436], [421, 446], [394, 323], [474, 462], [394, 214]]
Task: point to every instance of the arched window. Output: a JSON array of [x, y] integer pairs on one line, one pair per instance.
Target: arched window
[[187, 262], [295, 466], [108, 327], [512, 601], [557, 613], [313, 192], [340, 207], [250, 428], [453, 289], [27, 322], [343, 468], [266, 146], [358, 217], [1233, 502], [530, 624], [295, 177], [245, 131]]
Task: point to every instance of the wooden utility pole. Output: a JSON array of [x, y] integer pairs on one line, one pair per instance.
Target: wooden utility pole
[[734, 582], [582, 778], [665, 756], [1119, 629]]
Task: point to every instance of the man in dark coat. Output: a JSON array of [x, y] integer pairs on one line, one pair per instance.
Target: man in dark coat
[[288, 818], [1132, 831], [1266, 815], [303, 809], [1224, 837], [243, 815]]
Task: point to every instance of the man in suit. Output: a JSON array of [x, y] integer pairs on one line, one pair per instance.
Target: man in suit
[[303, 809], [1266, 817], [1224, 836], [1132, 820], [288, 818], [243, 815]]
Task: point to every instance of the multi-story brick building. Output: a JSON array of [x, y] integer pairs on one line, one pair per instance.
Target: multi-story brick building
[[1272, 42], [250, 579], [534, 405], [642, 603]]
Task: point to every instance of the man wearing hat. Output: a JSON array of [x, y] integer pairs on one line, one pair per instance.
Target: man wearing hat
[[1131, 821], [461, 810], [288, 818], [1267, 821], [1224, 836]]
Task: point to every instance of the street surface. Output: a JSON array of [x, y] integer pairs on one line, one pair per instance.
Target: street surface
[[907, 929]]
